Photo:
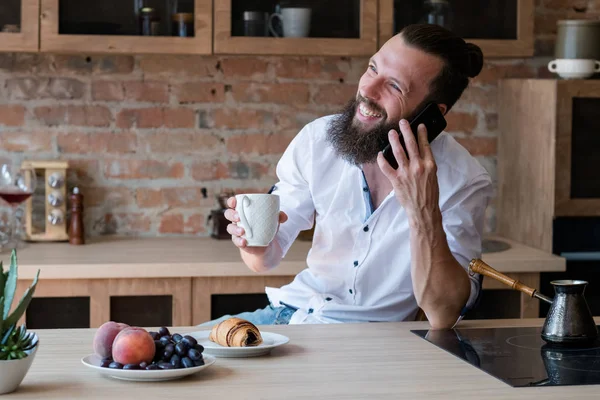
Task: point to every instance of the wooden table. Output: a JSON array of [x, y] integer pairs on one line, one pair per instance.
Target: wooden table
[[192, 270], [339, 361]]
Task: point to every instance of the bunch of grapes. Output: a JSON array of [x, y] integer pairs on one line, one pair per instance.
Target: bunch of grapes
[[172, 351]]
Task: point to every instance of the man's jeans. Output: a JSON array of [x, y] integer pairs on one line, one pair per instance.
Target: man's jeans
[[263, 316]]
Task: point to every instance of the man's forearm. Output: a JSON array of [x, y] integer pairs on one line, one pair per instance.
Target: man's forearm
[[441, 284], [262, 259]]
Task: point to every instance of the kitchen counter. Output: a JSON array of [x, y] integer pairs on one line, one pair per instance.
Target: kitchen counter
[[124, 257], [192, 272], [350, 361]]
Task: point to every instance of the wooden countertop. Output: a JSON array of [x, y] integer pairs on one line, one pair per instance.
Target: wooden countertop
[[337, 361], [127, 257]]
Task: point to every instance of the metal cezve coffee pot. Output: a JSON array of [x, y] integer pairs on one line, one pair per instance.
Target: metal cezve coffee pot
[[569, 320]]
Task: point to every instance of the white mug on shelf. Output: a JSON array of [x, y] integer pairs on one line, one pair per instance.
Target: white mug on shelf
[[259, 216], [574, 68], [295, 22]]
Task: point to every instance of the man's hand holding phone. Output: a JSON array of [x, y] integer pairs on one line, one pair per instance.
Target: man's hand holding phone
[[415, 180], [434, 122]]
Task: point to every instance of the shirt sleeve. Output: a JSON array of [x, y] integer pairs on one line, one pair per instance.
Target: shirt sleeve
[[463, 219], [293, 174]]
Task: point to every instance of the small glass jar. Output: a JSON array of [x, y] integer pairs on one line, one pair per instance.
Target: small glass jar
[[149, 22], [182, 24], [10, 28], [437, 12], [256, 23]]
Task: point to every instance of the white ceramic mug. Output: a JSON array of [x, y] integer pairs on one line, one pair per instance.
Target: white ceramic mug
[[295, 22], [259, 216], [574, 68]]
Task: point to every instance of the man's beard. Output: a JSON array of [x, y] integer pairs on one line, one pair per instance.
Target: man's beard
[[351, 142]]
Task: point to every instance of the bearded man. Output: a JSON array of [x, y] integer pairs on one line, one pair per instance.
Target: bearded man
[[387, 242]]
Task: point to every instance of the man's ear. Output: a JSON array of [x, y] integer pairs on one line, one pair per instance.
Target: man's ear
[[443, 108]]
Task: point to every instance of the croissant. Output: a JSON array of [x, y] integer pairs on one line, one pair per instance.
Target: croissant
[[235, 332]]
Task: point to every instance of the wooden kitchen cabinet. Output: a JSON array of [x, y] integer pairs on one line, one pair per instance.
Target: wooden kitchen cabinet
[[142, 302], [88, 303], [338, 28], [548, 148], [20, 16], [201, 279], [206, 290], [110, 26], [502, 28]]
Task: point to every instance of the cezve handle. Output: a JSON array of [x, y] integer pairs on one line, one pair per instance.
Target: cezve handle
[[480, 267]]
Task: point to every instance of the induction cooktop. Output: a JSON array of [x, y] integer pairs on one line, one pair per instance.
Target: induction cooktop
[[519, 356]]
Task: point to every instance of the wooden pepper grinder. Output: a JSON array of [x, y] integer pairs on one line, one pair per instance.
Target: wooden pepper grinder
[[76, 230]]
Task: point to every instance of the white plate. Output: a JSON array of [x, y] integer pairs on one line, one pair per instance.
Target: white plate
[[270, 341], [93, 361]]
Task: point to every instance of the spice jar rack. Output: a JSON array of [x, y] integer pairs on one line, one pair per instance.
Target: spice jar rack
[[53, 226]]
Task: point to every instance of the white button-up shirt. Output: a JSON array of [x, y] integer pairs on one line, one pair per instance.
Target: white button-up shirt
[[359, 266]]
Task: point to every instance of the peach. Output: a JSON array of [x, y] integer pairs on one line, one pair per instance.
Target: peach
[[105, 336], [133, 345]]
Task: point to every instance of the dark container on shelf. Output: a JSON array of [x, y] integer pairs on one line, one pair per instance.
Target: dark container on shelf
[[183, 24], [149, 22], [437, 12], [256, 23]]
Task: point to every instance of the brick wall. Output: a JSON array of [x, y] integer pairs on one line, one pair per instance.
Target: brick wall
[[146, 134]]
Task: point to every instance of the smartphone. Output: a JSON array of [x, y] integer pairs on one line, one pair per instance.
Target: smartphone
[[434, 121]]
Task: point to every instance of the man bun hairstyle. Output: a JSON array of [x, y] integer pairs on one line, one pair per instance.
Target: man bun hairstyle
[[462, 60], [475, 63]]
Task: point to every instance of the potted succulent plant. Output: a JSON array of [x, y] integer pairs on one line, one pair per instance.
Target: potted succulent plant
[[17, 346]]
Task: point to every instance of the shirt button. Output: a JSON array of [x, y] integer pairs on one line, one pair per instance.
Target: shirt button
[[350, 291], [365, 189], [328, 298], [366, 228], [356, 263], [310, 310]]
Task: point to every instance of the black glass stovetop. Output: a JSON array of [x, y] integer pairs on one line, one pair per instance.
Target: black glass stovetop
[[519, 356]]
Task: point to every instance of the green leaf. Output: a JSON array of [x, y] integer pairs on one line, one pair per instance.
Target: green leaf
[[24, 302], [1, 319], [2, 277], [18, 337], [7, 334], [11, 284]]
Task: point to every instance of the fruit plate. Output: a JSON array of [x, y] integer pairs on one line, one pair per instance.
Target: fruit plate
[[93, 361], [270, 341]]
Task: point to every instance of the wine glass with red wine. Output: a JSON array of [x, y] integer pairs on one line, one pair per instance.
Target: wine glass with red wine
[[16, 186]]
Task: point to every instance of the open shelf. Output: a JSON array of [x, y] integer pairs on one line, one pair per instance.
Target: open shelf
[[114, 26], [585, 147], [336, 27], [19, 26], [10, 14], [58, 313], [148, 310], [235, 303], [502, 28]]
